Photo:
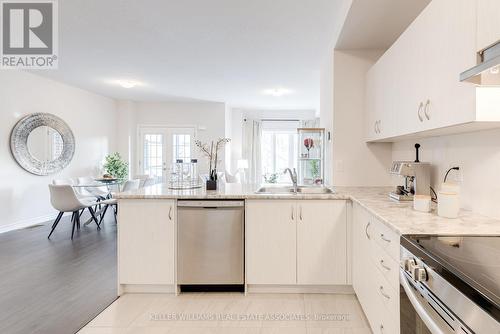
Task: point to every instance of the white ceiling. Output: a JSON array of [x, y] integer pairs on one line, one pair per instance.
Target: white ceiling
[[217, 50], [376, 24]]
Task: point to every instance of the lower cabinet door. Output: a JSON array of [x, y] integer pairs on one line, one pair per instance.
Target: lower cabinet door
[[271, 241], [321, 242], [146, 247]]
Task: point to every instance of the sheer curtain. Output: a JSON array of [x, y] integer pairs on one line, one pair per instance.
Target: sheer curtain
[[252, 134]]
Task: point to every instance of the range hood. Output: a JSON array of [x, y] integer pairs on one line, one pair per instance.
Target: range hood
[[487, 72]]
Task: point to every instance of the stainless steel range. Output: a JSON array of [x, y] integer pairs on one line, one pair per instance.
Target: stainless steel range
[[450, 284]]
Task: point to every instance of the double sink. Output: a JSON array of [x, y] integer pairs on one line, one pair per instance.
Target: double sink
[[290, 190]]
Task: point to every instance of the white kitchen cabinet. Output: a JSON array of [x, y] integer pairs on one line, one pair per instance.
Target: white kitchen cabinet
[[270, 238], [321, 242], [414, 87], [379, 110], [146, 242], [488, 23], [296, 242], [375, 271]]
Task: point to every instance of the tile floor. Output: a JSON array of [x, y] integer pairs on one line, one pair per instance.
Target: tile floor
[[225, 313]]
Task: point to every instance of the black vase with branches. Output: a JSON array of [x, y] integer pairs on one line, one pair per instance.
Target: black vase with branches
[[212, 153]]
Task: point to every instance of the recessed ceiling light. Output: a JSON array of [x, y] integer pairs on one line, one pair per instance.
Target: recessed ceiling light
[[128, 83], [277, 92]]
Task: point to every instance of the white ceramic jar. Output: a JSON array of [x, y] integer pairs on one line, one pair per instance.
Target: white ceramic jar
[[448, 204], [422, 203]]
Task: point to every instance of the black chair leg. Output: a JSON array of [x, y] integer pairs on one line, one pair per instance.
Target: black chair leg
[[73, 228], [92, 213], [54, 225], [103, 214]]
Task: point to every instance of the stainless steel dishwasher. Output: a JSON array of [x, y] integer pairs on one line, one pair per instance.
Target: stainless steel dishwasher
[[210, 239]]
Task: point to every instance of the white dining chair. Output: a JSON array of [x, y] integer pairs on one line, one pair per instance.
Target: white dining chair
[[80, 192], [64, 199], [149, 182], [129, 185], [142, 178], [230, 178]]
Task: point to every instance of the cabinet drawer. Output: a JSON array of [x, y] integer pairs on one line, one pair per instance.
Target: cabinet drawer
[[386, 265], [387, 239], [381, 303], [388, 299]]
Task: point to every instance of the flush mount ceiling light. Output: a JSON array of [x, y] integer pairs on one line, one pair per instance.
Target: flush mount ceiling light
[[277, 92], [128, 83]]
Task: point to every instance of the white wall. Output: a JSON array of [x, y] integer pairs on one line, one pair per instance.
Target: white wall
[[355, 163], [478, 156], [24, 197], [208, 117], [326, 112]]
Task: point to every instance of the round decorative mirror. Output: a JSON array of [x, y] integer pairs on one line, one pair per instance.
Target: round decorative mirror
[[42, 143]]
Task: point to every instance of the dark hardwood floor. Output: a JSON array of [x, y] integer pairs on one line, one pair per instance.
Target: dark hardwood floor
[[56, 286]]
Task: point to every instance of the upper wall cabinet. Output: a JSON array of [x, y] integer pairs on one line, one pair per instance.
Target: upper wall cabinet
[[414, 87], [488, 23]]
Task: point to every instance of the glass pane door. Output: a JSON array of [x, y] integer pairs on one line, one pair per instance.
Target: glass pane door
[[161, 147], [153, 161]]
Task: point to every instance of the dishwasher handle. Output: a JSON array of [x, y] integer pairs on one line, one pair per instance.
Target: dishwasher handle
[[210, 204]]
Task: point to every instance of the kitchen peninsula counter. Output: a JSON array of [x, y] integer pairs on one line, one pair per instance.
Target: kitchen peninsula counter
[[399, 216]]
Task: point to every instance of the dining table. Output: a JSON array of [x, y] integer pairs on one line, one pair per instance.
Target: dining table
[[99, 183]]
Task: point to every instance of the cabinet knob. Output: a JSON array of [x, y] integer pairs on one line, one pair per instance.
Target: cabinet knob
[[384, 266], [382, 236], [385, 295], [426, 109], [419, 112]]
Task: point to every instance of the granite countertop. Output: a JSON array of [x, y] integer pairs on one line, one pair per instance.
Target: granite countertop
[[399, 216]]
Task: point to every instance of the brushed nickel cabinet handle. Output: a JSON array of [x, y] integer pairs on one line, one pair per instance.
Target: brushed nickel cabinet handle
[[384, 238], [300, 212], [293, 216], [384, 266], [426, 110], [375, 127], [366, 230], [420, 106], [381, 289], [170, 213]]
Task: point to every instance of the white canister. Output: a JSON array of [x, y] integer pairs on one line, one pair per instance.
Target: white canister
[[422, 203], [450, 187], [448, 204]]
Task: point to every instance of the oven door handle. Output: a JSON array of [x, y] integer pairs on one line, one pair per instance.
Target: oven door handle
[[429, 321]]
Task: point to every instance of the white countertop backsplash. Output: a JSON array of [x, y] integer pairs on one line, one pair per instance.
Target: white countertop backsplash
[[399, 216]]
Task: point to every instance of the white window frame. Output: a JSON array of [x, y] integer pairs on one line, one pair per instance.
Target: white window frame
[[285, 126]]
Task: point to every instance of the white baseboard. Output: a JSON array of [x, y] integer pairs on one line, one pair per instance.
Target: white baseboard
[[146, 288], [28, 222], [337, 289]]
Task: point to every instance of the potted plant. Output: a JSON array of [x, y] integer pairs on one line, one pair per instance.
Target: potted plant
[[115, 166], [212, 153]]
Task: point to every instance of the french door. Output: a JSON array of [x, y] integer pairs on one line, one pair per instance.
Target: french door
[[159, 147]]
